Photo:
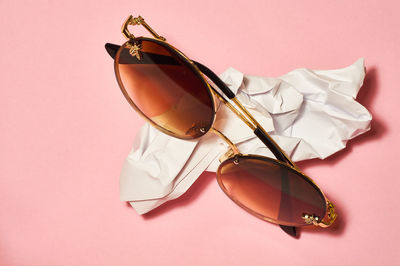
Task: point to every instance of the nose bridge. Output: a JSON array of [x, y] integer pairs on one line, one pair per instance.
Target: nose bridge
[[232, 146]]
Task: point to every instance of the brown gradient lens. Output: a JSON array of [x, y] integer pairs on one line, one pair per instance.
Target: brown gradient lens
[[166, 88], [270, 190]]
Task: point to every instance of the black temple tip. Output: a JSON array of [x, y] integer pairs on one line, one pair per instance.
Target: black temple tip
[[112, 49], [290, 230]]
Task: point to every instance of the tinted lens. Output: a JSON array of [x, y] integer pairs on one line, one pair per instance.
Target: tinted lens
[[165, 87], [270, 190]]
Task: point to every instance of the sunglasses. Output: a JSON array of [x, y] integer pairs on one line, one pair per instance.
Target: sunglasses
[[178, 96]]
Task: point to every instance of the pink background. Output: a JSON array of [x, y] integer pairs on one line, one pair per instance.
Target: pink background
[[65, 130]]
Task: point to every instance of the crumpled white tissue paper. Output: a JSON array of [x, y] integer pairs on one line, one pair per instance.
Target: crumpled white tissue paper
[[309, 113]]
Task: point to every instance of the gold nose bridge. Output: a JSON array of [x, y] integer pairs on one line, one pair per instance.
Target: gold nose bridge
[[131, 21], [233, 150]]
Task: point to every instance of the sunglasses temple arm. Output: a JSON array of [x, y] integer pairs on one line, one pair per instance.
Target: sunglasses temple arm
[[262, 135], [112, 49], [217, 81], [258, 130]]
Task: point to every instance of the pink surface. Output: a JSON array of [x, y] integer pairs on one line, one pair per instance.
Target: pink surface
[[65, 130]]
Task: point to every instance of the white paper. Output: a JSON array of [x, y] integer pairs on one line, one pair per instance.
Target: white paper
[[309, 113]]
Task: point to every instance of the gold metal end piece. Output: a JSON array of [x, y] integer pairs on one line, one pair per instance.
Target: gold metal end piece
[[131, 21], [332, 215]]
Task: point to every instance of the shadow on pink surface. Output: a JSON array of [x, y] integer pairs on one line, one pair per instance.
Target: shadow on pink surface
[[378, 129]]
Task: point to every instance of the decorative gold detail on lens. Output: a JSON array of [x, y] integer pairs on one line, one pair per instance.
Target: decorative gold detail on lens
[[311, 218], [134, 50]]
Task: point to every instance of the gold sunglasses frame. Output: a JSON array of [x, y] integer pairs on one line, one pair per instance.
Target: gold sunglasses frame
[[243, 114]]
